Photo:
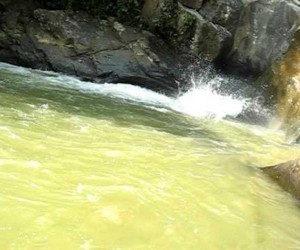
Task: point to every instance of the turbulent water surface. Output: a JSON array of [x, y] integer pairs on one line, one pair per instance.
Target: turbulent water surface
[[86, 166]]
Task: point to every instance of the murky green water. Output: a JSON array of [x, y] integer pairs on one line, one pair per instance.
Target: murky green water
[[83, 170]]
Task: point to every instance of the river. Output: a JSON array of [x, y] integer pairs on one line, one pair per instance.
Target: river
[[86, 166]]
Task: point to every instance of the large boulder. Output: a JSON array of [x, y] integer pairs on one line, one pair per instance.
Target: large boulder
[[225, 13], [287, 175], [160, 16], [209, 41], [78, 44], [206, 33], [264, 33]]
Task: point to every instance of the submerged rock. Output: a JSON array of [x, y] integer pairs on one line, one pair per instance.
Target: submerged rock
[[78, 44], [287, 175]]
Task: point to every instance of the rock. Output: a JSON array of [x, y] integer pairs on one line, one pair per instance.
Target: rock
[[287, 175], [194, 4], [78, 44], [187, 30], [19, 5], [225, 13], [152, 8], [160, 16], [209, 41], [263, 35], [285, 81]]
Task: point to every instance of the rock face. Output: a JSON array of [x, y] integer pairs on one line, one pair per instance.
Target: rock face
[[287, 175], [285, 79], [187, 30], [204, 29], [195, 4], [263, 35], [152, 8], [77, 44], [161, 17], [225, 13], [243, 36], [209, 41]]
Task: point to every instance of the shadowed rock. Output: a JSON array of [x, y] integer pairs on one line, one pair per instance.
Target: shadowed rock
[[195, 4], [78, 44], [209, 41], [225, 13], [287, 175]]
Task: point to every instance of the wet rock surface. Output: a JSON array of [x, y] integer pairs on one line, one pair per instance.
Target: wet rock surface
[[263, 35], [287, 175], [225, 13], [78, 44], [244, 37]]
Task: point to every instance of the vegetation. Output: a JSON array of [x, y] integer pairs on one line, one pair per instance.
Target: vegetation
[[185, 22], [126, 11]]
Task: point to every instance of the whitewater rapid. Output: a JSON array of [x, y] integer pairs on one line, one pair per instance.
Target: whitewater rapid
[[201, 100]]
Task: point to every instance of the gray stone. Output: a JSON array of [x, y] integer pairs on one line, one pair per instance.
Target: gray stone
[[209, 41], [160, 16], [225, 13], [263, 35], [78, 44]]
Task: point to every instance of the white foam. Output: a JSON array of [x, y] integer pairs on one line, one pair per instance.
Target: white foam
[[205, 102], [200, 101]]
